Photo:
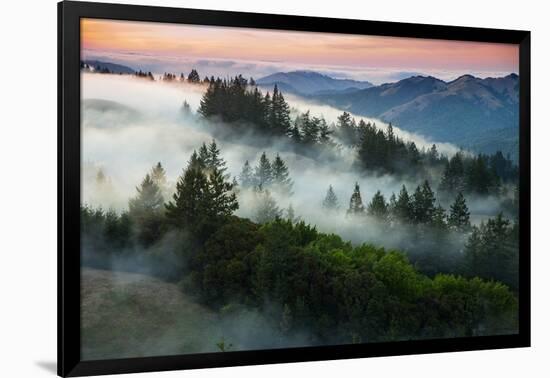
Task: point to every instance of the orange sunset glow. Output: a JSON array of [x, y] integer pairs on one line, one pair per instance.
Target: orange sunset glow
[[141, 40]]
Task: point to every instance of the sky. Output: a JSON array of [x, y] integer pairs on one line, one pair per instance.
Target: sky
[[226, 51]]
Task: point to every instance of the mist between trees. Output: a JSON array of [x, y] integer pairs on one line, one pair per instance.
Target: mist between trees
[[337, 229]]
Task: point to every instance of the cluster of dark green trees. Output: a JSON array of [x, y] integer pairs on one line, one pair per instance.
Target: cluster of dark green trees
[[267, 175], [234, 102], [239, 102], [417, 208], [481, 174], [144, 75], [435, 235], [383, 151]]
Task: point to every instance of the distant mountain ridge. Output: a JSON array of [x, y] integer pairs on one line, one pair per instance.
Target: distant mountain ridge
[[98, 65], [468, 111], [310, 82]]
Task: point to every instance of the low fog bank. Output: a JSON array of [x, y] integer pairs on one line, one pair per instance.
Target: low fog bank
[[130, 124]]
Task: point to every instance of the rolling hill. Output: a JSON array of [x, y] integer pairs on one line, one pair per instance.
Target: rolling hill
[[134, 315], [470, 112], [309, 82]]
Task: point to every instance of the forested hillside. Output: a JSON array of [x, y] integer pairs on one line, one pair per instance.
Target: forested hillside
[[298, 255]]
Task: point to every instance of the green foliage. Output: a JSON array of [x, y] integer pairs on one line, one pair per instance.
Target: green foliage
[[223, 268]]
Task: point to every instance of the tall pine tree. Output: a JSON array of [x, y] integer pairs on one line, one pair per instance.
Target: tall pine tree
[[247, 176], [459, 216], [263, 173], [331, 201], [146, 210], [378, 207], [403, 210], [280, 177], [356, 203]]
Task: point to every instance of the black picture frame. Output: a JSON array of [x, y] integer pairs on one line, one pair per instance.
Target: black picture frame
[[69, 15]]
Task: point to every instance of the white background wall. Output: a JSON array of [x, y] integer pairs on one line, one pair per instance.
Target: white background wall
[[28, 187]]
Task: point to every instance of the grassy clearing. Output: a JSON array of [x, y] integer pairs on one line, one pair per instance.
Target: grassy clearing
[[134, 315]]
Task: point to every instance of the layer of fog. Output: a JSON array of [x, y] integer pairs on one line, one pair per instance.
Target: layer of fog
[[139, 123]]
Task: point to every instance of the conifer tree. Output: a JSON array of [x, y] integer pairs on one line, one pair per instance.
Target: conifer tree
[[291, 214], [189, 204], [392, 204], [433, 155], [356, 204], [423, 204], [480, 178], [247, 176], [201, 201], [194, 77], [263, 173], [414, 154], [438, 221], [459, 216], [309, 128], [222, 198], [279, 113], [158, 175], [346, 129], [280, 176], [211, 103], [324, 132], [403, 206], [186, 108], [148, 199], [266, 207], [331, 201], [204, 156], [146, 210], [453, 175], [378, 206], [295, 134], [215, 161]]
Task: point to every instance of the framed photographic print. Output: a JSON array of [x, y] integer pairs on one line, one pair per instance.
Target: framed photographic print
[[239, 188]]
